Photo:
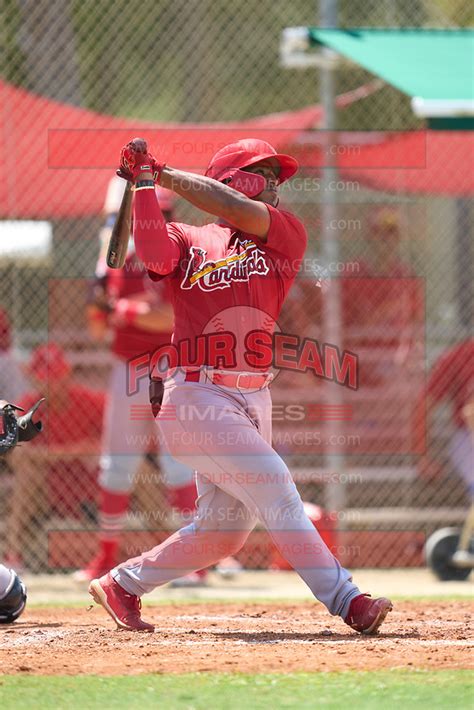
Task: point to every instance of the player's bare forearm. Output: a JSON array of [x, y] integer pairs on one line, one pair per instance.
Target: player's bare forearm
[[217, 199], [96, 323], [154, 247]]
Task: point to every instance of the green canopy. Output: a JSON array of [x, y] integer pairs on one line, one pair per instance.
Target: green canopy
[[435, 67]]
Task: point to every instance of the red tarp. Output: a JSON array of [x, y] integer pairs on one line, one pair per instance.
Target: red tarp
[[424, 162], [412, 162], [56, 159]]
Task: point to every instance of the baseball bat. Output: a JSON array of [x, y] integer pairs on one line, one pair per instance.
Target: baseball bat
[[118, 245]]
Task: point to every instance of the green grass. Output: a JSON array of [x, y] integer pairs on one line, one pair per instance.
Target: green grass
[[400, 689]]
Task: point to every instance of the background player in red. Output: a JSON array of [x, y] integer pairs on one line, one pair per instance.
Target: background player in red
[[451, 381], [62, 458], [228, 282], [138, 316], [383, 303]]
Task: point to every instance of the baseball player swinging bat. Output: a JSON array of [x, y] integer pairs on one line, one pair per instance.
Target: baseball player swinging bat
[[117, 251]]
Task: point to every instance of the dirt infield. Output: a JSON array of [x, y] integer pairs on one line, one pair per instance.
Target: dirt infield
[[236, 637]]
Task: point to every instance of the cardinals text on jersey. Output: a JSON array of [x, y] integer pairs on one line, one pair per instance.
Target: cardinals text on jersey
[[210, 275]]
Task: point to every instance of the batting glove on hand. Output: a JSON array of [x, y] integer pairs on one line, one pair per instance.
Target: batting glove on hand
[[135, 159]]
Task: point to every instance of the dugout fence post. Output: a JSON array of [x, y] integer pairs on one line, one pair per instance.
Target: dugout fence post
[[334, 460]]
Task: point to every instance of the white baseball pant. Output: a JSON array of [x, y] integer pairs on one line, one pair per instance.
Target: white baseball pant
[[225, 435]]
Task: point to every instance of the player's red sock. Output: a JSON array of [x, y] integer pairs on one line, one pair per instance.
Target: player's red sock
[[112, 513], [108, 550]]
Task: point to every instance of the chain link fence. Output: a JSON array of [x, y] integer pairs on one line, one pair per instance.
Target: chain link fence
[[394, 461]]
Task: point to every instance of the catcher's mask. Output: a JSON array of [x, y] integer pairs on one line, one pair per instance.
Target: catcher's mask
[[226, 165]]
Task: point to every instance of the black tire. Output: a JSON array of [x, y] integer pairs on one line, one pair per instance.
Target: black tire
[[439, 550]]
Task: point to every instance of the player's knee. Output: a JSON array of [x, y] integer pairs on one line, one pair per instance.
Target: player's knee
[[13, 602], [231, 542]]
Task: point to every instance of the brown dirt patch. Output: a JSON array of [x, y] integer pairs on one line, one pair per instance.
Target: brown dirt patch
[[236, 637]]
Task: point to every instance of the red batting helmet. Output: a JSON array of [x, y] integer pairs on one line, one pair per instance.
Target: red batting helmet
[[247, 152]]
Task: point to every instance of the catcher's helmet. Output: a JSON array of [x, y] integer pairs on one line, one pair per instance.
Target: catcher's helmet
[[227, 162], [13, 602]]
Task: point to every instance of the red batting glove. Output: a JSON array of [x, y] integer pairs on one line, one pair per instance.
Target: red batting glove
[[135, 159]]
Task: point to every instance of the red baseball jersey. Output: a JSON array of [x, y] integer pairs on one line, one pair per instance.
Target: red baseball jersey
[[381, 309], [452, 377], [232, 284]]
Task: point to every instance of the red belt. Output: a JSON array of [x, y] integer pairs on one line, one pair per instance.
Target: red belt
[[239, 380]]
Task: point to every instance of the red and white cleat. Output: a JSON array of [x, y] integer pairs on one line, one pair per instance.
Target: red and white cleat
[[366, 614], [124, 608]]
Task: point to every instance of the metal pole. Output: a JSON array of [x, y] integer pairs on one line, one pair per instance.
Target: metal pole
[[332, 322]]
